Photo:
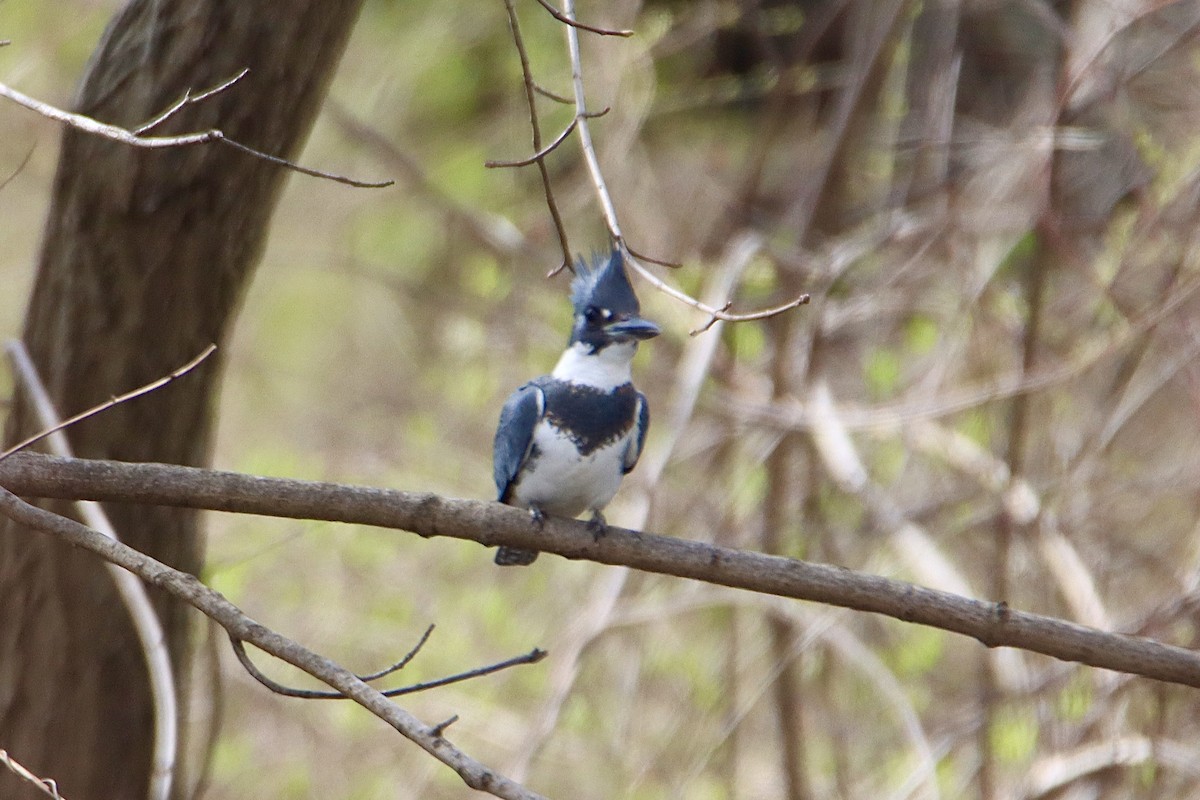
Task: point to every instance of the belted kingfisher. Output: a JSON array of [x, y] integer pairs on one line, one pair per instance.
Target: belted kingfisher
[[566, 439]]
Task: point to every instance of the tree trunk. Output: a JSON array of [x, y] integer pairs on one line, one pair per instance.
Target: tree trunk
[[146, 255]]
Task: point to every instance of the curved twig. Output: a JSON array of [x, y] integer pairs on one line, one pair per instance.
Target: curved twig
[[574, 23], [538, 156], [532, 657]]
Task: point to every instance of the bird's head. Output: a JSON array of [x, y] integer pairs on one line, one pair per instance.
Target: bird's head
[[606, 309]]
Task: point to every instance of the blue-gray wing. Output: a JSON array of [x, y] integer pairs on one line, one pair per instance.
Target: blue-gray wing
[[634, 451], [522, 412]]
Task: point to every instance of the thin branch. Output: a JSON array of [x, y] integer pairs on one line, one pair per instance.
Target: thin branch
[[187, 588], [134, 139], [585, 132], [316, 173], [609, 210], [20, 168], [558, 98], [514, 24], [15, 349], [493, 524], [538, 156], [133, 595], [713, 313], [403, 662], [187, 99], [574, 23], [46, 786], [532, 657]]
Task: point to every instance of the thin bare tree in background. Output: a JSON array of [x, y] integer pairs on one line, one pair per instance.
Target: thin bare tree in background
[[146, 256]]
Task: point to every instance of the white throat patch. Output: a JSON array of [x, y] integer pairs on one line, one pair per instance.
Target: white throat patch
[[604, 370]]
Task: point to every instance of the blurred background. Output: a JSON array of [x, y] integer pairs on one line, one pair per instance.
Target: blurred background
[[994, 391]]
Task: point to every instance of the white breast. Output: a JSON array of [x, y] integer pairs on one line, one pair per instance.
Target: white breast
[[564, 483]]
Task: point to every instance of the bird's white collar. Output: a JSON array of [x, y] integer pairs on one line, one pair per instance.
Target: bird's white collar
[[606, 370]]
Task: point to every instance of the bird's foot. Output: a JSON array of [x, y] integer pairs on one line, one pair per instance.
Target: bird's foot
[[538, 518], [597, 525]]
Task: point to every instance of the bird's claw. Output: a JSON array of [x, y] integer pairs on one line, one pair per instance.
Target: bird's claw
[[538, 518], [597, 525]]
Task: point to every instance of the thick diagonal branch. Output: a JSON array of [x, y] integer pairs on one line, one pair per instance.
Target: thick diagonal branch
[[492, 524]]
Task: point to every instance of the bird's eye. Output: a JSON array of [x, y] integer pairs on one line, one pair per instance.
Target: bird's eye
[[594, 314]]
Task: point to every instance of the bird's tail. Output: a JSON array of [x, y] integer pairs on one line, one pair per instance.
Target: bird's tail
[[514, 557]]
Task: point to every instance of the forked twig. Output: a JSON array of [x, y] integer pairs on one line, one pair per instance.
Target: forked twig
[[134, 138], [107, 404], [187, 99], [239, 649], [531, 89]]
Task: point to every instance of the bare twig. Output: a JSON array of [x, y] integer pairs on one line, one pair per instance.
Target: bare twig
[[20, 168], [239, 626], [15, 349], [538, 156], [574, 23], [536, 132], [187, 99], [532, 657], [132, 593], [403, 662], [46, 786], [558, 98], [585, 132], [134, 139]]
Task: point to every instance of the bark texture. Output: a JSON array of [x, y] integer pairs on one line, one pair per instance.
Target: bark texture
[[146, 255]]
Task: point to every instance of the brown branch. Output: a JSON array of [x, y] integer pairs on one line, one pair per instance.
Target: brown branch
[[558, 98], [107, 404], [134, 138], [539, 155], [574, 23], [514, 24], [239, 626], [492, 524]]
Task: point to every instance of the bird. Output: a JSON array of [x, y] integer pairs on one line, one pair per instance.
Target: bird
[[565, 440]]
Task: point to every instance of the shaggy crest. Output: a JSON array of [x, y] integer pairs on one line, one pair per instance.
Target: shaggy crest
[[602, 282]]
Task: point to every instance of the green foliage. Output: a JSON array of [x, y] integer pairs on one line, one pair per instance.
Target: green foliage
[[882, 372], [917, 653], [921, 334], [1076, 699], [1014, 735]]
